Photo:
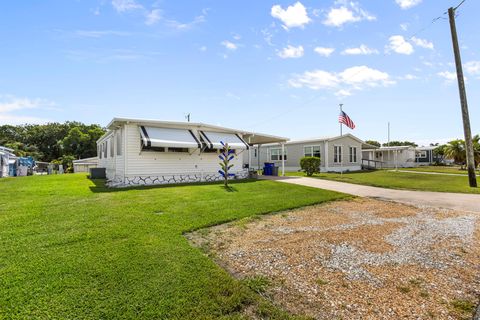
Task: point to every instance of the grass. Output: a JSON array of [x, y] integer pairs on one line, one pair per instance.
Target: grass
[[72, 249], [439, 169], [463, 306], [400, 180]]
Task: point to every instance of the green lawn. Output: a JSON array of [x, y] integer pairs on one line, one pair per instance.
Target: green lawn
[[438, 169], [71, 249], [401, 180]]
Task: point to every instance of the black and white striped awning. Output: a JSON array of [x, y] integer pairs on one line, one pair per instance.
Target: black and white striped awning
[[214, 140], [168, 138]]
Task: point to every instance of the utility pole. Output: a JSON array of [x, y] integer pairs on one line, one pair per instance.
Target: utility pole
[[472, 179], [187, 116]]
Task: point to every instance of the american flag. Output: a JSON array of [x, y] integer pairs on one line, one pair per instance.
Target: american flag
[[345, 119]]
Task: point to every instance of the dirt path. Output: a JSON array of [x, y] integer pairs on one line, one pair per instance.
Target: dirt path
[[456, 201]]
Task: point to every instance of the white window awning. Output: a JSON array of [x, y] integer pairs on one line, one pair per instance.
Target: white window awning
[[214, 140], [168, 138]]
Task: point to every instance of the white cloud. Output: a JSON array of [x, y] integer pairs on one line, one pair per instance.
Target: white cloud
[[14, 120], [448, 76], [404, 26], [100, 33], [409, 76], [323, 51], [343, 93], [407, 4], [346, 12], [291, 17], [203, 48], [365, 76], [10, 103], [400, 45], [316, 80], [422, 43], [473, 67], [229, 45], [354, 78], [153, 17], [185, 25], [362, 50], [125, 5], [291, 52]]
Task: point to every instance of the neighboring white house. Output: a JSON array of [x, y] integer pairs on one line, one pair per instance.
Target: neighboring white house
[[146, 152], [84, 165], [6, 158], [339, 153], [390, 157]]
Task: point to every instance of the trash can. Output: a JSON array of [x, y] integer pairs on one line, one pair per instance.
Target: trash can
[[268, 168], [275, 171]]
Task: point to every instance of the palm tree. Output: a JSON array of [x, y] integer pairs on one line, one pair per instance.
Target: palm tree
[[476, 149], [456, 150]]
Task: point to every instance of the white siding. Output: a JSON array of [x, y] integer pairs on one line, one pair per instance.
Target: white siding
[[105, 160], [151, 163], [295, 151]]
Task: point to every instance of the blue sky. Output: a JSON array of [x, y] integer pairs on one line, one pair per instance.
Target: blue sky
[[279, 67]]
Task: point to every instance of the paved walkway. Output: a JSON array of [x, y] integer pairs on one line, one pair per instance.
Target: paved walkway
[[457, 201]]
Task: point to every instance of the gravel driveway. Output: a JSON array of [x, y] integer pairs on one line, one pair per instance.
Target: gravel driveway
[[358, 259]]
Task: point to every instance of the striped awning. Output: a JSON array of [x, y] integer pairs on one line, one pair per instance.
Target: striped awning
[[214, 140], [168, 138]]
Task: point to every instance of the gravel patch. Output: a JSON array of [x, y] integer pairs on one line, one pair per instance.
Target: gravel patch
[[358, 259]]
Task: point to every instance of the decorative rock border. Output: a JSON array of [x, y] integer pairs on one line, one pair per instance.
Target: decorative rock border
[[172, 179]]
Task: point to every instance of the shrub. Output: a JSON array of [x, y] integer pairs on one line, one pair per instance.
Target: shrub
[[310, 165]]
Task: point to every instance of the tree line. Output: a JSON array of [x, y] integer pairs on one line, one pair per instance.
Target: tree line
[[52, 142]]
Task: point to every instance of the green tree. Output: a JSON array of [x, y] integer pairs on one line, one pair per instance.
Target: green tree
[[400, 143], [373, 143], [75, 143], [440, 152], [476, 149], [456, 150], [310, 165]]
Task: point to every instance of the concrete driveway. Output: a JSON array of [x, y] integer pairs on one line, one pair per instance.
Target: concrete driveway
[[457, 201]]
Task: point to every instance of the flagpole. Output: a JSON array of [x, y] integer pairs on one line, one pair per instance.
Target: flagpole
[[341, 146], [341, 105]]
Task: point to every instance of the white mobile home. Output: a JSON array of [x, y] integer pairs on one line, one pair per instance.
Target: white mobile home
[[390, 157], [84, 165], [146, 152], [7, 159], [339, 153]]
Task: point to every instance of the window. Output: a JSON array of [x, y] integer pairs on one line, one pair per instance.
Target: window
[[311, 151], [378, 155], [353, 154], [119, 142], [112, 150], [105, 149], [337, 154], [255, 152], [99, 151], [421, 154], [276, 154]]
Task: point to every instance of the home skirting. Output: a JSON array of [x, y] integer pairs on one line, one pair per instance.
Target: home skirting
[[145, 180]]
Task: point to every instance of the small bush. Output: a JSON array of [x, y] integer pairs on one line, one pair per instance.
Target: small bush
[[310, 165]]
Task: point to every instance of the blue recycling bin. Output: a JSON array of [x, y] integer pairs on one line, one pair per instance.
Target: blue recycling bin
[[268, 168]]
